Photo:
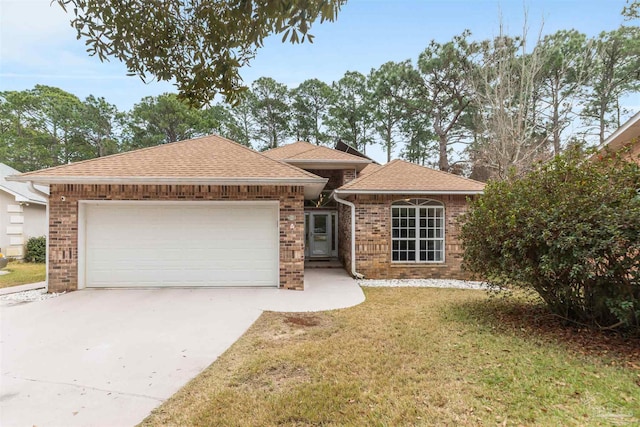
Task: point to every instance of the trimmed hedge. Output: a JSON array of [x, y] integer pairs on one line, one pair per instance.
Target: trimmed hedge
[[570, 231], [35, 250]]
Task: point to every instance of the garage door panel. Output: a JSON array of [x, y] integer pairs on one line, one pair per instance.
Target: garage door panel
[[128, 245]]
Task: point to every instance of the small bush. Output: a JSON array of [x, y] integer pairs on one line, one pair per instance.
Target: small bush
[[570, 231], [36, 249]]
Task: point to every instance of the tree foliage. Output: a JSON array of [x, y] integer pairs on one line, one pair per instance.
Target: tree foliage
[[442, 92], [613, 74], [351, 113], [570, 231], [483, 108], [270, 111], [200, 44], [310, 108]]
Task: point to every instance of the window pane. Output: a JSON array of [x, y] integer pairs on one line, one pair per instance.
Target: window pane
[[424, 224]]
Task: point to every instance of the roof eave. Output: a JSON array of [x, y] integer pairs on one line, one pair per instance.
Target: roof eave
[[618, 138], [21, 197], [411, 192], [46, 180]]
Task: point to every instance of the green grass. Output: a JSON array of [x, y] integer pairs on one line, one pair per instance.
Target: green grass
[[404, 357], [21, 273]]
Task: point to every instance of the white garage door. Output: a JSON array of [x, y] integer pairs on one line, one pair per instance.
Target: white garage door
[[150, 244]]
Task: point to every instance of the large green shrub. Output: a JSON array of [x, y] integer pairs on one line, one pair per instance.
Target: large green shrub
[[35, 250], [570, 231]]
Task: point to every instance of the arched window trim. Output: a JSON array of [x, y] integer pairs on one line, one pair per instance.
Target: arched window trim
[[418, 231], [417, 202]]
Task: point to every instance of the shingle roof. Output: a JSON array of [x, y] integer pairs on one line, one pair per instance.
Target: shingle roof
[[369, 168], [399, 176], [210, 157], [20, 190], [208, 160], [285, 151], [306, 152]]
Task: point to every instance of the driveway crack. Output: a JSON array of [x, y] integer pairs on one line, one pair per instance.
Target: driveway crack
[[120, 393]]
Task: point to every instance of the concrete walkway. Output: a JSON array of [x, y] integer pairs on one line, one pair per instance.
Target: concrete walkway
[[108, 357], [22, 288]]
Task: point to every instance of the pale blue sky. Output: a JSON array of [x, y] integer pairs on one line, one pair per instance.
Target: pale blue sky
[[37, 45]]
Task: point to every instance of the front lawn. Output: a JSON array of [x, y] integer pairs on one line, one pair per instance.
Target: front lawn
[[406, 356], [21, 273]]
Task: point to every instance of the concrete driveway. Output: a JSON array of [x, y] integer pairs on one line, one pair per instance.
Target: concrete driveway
[[108, 357]]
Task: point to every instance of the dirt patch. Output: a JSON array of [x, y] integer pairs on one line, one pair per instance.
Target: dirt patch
[[273, 378], [302, 320]]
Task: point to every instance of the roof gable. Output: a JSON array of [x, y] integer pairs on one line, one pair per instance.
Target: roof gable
[[399, 176], [206, 157], [206, 160]]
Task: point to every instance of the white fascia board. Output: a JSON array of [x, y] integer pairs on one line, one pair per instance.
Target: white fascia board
[[20, 197], [411, 192], [620, 131]]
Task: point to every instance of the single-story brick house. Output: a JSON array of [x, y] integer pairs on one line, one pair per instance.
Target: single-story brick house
[[211, 212]]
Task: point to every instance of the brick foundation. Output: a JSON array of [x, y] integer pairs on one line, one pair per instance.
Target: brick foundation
[[63, 222]]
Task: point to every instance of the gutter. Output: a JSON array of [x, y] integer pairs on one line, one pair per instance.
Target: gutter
[[46, 248], [335, 196]]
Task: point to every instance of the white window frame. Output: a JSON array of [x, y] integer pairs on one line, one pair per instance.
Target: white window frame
[[418, 205]]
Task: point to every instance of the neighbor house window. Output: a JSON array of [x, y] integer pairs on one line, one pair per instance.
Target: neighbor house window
[[417, 231]]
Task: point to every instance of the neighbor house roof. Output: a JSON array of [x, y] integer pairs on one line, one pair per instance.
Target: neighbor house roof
[[624, 135], [208, 160], [400, 177], [19, 190], [307, 155]]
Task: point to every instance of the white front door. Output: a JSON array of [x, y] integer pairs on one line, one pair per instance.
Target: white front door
[[151, 244]]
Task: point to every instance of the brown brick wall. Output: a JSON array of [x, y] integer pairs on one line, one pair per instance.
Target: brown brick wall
[[348, 175], [373, 240], [63, 222]]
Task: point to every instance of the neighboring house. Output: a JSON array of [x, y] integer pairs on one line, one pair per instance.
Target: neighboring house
[[22, 214], [210, 212], [626, 137]]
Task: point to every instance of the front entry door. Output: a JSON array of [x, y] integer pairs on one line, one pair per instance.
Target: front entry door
[[320, 234]]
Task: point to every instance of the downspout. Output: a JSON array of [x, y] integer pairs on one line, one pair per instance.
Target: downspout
[[354, 273], [46, 248]]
